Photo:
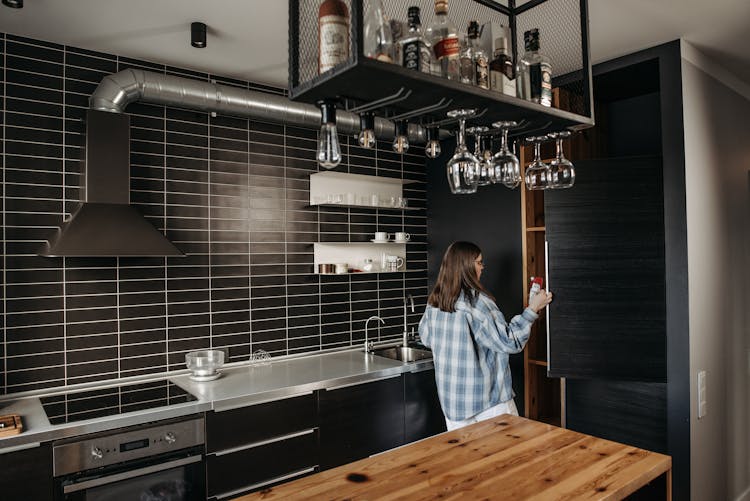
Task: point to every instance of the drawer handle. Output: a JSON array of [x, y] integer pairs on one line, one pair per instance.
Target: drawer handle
[[358, 383], [263, 442], [297, 473], [241, 405]]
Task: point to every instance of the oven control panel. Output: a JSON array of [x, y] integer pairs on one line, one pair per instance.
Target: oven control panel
[[124, 445]]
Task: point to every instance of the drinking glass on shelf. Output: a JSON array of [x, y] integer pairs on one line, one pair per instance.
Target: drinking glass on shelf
[[462, 167], [537, 174], [506, 168], [484, 165], [562, 172]]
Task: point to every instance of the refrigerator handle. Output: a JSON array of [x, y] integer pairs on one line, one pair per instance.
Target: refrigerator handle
[[546, 276]]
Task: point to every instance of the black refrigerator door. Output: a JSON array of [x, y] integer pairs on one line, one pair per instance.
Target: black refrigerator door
[[605, 260]]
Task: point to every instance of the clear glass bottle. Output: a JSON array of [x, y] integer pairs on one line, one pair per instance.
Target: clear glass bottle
[[397, 30], [479, 59], [443, 37], [466, 62], [534, 80], [377, 36], [502, 69], [415, 51]]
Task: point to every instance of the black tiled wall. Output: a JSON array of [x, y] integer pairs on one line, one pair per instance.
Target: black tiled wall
[[231, 193]]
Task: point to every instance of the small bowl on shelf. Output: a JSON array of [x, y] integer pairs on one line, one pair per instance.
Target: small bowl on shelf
[[204, 365]]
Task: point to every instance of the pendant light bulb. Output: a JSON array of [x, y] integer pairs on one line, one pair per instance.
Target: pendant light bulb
[[432, 149], [366, 138], [329, 149], [401, 142]]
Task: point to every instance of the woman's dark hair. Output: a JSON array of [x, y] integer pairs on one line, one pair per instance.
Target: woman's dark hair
[[457, 273]]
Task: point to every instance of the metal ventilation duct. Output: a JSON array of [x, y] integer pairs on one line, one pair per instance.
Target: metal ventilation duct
[[104, 223], [116, 91]]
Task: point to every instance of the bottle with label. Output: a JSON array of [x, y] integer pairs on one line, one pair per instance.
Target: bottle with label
[[415, 52], [377, 36], [466, 62], [333, 34], [536, 287], [502, 69], [534, 80], [398, 28], [479, 59], [443, 37]]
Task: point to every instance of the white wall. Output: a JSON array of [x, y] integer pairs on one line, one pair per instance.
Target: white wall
[[716, 108]]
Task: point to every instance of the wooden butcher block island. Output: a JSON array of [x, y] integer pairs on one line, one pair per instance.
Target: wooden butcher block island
[[507, 457]]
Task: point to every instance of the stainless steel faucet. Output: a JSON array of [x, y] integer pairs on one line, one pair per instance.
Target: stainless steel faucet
[[368, 345], [408, 300]]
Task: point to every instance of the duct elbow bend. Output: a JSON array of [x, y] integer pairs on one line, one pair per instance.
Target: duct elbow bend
[[118, 90]]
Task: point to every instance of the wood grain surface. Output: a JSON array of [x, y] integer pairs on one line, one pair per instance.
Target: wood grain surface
[[508, 457]]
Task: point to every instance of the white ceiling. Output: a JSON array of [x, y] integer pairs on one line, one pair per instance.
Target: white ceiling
[[247, 39]]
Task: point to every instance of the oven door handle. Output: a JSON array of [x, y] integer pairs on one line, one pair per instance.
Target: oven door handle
[[131, 474]]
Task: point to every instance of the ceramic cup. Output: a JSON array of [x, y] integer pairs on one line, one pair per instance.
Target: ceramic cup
[[400, 236], [393, 263], [342, 268], [381, 236]]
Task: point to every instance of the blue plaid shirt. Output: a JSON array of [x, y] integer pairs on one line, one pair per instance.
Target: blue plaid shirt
[[470, 350]]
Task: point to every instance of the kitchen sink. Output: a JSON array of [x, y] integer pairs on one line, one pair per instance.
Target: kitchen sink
[[403, 354]]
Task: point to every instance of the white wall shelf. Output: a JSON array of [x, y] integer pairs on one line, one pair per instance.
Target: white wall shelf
[[341, 189], [354, 254]]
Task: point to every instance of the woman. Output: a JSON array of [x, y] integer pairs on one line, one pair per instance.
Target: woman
[[471, 341]]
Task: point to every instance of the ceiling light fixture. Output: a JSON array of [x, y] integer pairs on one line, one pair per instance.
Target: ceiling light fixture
[[13, 4], [197, 34]]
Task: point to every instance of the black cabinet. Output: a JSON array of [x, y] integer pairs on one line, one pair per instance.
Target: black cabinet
[[606, 267], [360, 420], [253, 447], [619, 323], [27, 474], [423, 416]]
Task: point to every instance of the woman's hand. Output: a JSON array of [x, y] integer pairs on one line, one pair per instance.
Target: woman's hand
[[540, 300]]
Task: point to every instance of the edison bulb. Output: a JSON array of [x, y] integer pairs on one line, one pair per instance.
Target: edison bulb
[[401, 144], [329, 149], [366, 138], [432, 149]]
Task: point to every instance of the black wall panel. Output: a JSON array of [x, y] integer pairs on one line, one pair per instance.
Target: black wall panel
[[491, 218], [606, 268]]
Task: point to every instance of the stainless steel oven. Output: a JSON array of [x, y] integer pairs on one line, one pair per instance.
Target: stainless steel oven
[[156, 462]]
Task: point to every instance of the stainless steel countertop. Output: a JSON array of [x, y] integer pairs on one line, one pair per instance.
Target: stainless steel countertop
[[239, 386]]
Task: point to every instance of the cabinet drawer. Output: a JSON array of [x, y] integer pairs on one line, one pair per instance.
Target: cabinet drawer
[[27, 474], [239, 470], [256, 423]]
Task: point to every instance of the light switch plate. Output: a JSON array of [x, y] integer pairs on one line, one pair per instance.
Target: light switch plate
[[702, 394]]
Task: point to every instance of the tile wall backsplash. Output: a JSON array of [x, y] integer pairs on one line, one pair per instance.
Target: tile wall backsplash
[[231, 193]]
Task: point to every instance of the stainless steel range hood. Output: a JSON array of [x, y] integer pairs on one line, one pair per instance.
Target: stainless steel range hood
[[104, 223]]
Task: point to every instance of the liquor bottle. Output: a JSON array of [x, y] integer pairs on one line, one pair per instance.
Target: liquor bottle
[[502, 69], [377, 36], [534, 80], [466, 62], [415, 52], [397, 30], [333, 34], [443, 37], [479, 59]]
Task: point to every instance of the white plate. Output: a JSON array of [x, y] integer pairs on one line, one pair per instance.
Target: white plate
[[400, 241], [203, 379], [379, 241]]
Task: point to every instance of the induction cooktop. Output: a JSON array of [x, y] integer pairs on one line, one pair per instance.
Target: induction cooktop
[[91, 404]]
